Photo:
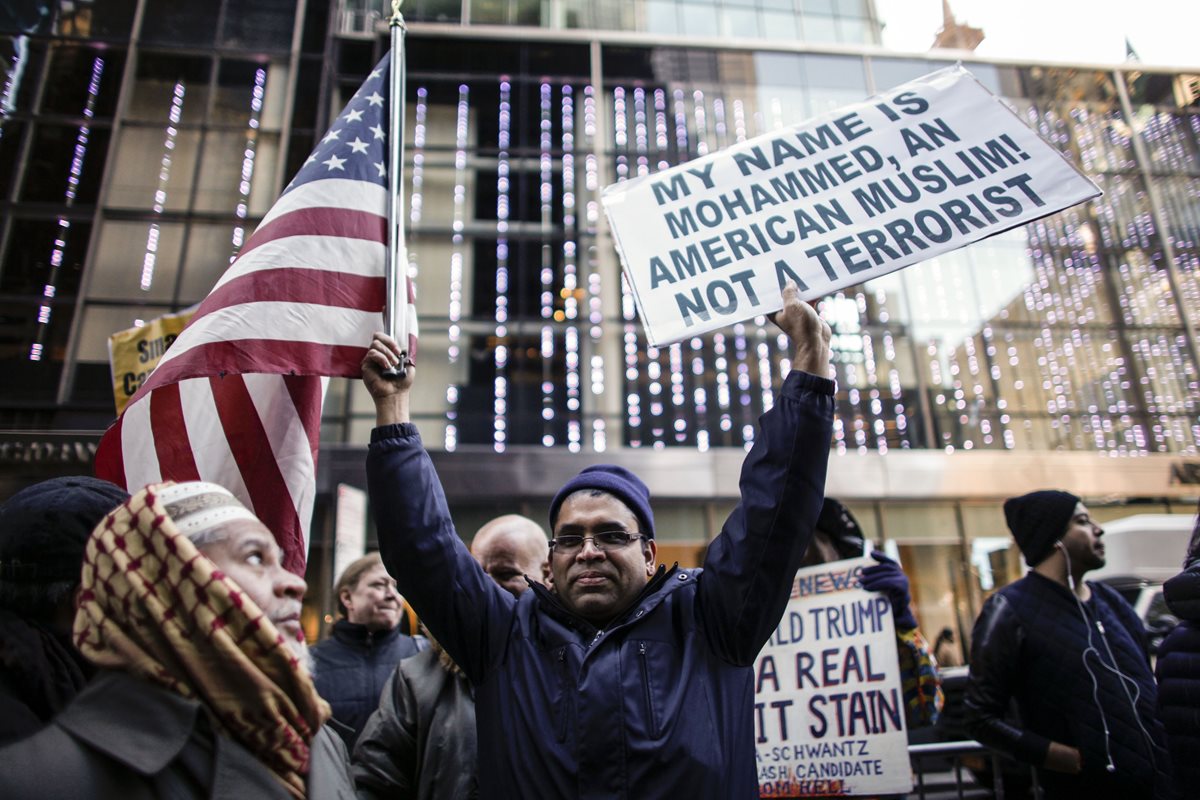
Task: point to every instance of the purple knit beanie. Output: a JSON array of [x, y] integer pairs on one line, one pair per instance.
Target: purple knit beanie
[[617, 481]]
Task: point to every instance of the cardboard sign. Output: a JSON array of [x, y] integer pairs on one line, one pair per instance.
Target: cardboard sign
[[134, 353], [829, 707], [859, 192]]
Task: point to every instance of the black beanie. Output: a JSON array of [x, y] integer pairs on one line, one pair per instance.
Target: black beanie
[[841, 527], [617, 481], [1038, 520], [44, 527]]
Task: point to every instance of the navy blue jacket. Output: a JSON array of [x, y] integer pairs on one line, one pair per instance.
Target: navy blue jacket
[[351, 667], [1031, 644], [1178, 672], [661, 702]]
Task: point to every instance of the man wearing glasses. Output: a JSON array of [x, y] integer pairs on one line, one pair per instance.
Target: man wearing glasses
[[625, 679]]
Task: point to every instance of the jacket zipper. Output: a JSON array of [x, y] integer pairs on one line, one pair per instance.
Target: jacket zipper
[[564, 712], [651, 717]]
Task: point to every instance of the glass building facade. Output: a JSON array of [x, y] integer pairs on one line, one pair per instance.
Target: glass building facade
[[141, 141]]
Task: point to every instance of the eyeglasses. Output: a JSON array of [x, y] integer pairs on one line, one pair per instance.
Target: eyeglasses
[[603, 540]]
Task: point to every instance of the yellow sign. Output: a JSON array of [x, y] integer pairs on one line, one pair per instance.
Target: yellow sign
[[134, 353]]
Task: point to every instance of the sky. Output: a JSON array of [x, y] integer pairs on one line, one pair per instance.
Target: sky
[[1163, 32]]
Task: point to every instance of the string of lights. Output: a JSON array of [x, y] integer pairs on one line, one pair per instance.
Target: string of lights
[[74, 172], [164, 178], [458, 225]]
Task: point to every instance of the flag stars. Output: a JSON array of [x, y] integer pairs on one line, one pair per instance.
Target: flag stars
[[358, 145], [378, 131], [332, 135], [382, 169], [375, 73], [353, 116], [375, 99], [333, 162]]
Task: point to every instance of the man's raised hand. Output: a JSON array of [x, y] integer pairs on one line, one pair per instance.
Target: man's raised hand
[[390, 392], [808, 333]]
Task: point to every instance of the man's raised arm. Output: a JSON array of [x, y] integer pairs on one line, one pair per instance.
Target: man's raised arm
[[749, 567], [467, 612]]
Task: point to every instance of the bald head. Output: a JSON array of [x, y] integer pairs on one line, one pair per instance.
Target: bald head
[[511, 547]]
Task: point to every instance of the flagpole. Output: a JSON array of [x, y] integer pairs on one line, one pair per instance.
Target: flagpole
[[395, 315]]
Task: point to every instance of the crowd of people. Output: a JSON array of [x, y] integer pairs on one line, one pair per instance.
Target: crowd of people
[[151, 645]]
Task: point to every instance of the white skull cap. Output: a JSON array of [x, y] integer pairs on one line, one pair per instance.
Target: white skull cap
[[198, 506]]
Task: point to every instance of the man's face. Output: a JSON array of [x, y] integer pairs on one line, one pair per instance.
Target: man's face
[[595, 584], [508, 556], [373, 601], [250, 558], [1082, 541]]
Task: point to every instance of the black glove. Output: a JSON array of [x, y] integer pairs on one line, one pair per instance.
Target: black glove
[[887, 577]]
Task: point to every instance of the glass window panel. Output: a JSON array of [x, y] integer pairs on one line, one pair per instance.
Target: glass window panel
[[904, 522], [434, 11], [854, 30], [489, 12], [32, 245], [209, 248], [304, 111], [38, 379], [101, 19], [889, 72], [851, 8], [21, 60], [939, 594], [844, 73], [819, 28], [779, 25], [11, 135], [740, 23], [153, 167], [680, 523], [316, 25], [662, 16], [65, 164], [170, 89], [258, 24], [82, 79], [701, 21], [101, 321], [817, 6], [237, 168], [136, 260], [179, 24]]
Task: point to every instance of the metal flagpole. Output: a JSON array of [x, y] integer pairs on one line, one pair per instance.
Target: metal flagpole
[[395, 315]]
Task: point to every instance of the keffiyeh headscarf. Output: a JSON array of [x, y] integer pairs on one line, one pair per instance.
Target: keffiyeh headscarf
[[152, 605]]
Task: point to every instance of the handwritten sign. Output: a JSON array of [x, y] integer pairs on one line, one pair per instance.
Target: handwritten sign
[[865, 190], [134, 353], [829, 708]]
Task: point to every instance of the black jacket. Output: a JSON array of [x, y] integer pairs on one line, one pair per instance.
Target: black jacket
[[127, 739], [420, 743], [1178, 673], [40, 673], [350, 669], [1032, 644]]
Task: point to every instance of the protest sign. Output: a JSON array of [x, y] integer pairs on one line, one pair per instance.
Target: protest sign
[[862, 191], [134, 353], [829, 707]]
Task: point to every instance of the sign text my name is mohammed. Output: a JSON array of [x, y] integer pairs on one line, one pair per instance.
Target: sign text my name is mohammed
[[920, 170]]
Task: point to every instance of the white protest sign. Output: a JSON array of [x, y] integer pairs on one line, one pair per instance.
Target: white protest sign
[[862, 191], [829, 707]]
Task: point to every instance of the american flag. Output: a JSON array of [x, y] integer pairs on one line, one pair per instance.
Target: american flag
[[237, 398]]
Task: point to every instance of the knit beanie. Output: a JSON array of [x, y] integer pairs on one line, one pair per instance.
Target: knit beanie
[[617, 481], [45, 527], [841, 527], [1038, 520]]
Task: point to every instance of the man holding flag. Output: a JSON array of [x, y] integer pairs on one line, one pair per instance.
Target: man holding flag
[[625, 679], [237, 398]]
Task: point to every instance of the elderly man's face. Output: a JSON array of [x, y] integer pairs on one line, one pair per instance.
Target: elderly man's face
[[597, 584], [374, 601], [248, 556], [507, 555]]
